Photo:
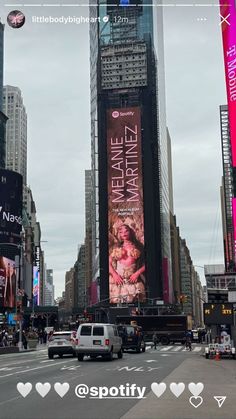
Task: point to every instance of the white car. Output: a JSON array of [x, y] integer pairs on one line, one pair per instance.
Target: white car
[[98, 339], [62, 343]]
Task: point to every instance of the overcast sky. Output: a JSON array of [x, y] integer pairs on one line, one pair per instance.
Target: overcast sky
[[50, 64]]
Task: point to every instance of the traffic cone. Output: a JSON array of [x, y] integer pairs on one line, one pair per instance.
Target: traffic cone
[[217, 356]]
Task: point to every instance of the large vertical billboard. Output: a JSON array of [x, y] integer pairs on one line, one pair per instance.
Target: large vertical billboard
[[10, 207], [7, 283], [36, 284], [127, 282], [228, 25]]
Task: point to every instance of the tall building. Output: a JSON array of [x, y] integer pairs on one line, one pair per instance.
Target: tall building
[[49, 288], [69, 290], [227, 192], [16, 131], [81, 290], [1, 62], [175, 258], [88, 229], [129, 151], [186, 277], [3, 118]]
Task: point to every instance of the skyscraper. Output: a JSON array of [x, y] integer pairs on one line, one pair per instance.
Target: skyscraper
[[227, 191], [88, 229], [129, 153], [16, 132], [3, 118], [1, 62], [49, 288]]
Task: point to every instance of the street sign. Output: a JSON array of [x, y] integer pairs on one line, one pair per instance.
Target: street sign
[[218, 313]]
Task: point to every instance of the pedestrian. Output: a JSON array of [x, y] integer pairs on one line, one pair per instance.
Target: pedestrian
[[45, 337], [24, 340], [5, 340], [188, 343], [155, 340]]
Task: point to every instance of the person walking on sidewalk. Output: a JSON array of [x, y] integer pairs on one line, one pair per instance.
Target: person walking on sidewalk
[[24, 340], [155, 339]]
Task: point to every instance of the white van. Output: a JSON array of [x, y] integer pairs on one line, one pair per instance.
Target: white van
[[95, 339]]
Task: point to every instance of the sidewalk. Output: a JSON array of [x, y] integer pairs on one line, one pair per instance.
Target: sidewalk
[[219, 379]]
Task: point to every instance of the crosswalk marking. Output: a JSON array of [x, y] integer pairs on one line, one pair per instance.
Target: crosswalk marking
[[173, 349], [177, 348], [166, 348]]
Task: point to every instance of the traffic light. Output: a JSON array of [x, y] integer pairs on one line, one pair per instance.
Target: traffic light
[[183, 298]]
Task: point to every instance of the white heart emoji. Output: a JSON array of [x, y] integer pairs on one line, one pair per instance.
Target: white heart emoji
[[43, 389], [195, 389], [177, 389], [61, 388], [158, 389], [196, 401], [24, 389]]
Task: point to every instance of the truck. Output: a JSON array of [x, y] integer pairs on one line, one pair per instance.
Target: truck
[[169, 328]]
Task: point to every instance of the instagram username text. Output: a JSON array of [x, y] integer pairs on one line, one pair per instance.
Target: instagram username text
[[63, 20]]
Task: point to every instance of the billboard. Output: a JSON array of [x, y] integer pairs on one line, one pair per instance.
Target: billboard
[[127, 282], [10, 207], [7, 283], [36, 279], [228, 19]]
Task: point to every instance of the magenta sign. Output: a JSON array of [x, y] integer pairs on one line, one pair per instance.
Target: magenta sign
[[228, 25]]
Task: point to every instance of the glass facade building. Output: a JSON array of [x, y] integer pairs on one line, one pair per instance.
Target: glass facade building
[[127, 70], [227, 191], [1, 62], [3, 118]]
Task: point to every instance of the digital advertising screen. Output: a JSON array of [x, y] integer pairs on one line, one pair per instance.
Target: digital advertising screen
[[10, 207], [125, 206], [117, 174], [36, 282], [7, 283]]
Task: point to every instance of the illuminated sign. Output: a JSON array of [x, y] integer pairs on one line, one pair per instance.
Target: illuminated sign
[[36, 276], [10, 207], [218, 313], [127, 280], [228, 19], [7, 283]]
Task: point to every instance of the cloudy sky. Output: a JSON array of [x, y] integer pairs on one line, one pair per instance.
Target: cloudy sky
[[50, 64]]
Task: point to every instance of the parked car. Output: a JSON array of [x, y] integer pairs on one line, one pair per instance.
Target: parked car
[[132, 337], [98, 339], [61, 343]]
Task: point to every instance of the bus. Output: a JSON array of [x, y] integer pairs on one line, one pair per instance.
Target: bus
[[169, 328]]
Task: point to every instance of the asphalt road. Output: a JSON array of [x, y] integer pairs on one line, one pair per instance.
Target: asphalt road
[[35, 367]]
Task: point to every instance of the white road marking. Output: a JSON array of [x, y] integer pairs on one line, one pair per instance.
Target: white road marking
[[166, 348], [36, 368], [178, 348], [151, 360], [197, 349]]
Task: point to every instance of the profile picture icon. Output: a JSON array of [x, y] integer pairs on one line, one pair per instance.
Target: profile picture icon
[[16, 19]]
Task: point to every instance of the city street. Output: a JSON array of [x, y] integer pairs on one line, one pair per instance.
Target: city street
[[166, 364]]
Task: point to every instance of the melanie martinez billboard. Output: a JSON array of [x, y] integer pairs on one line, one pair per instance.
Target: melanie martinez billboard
[[127, 282]]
